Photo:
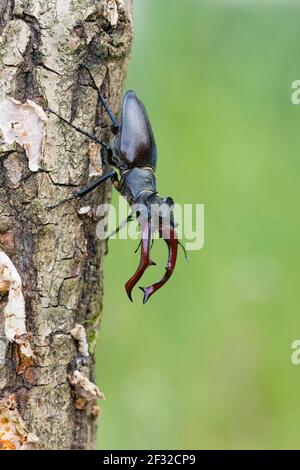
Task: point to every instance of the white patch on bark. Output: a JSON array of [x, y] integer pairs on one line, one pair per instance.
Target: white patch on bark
[[13, 432], [84, 210], [62, 7], [84, 387], [79, 334], [14, 311], [111, 12], [26, 125]]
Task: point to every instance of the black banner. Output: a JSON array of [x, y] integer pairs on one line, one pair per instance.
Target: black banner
[[136, 458]]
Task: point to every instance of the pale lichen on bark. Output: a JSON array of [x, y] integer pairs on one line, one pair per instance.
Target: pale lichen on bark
[[24, 123], [56, 255], [14, 314]]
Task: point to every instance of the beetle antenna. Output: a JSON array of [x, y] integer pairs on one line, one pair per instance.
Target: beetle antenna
[[105, 105], [60, 203], [82, 131]]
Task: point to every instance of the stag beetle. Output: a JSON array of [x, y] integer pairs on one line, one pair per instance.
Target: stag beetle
[[134, 153]]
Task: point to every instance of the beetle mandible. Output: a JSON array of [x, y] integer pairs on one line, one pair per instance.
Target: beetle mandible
[[134, 153]]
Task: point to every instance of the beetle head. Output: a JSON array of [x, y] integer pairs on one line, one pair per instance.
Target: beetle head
[[155, 209]]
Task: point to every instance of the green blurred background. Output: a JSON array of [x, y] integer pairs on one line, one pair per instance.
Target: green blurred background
[[207, 363]]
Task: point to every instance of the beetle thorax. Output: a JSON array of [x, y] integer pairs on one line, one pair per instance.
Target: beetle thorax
[[137, 183]]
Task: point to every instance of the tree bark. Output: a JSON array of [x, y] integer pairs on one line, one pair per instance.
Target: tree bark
[[51, 281]]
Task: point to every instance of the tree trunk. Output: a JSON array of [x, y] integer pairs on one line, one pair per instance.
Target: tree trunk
[[51, 282]]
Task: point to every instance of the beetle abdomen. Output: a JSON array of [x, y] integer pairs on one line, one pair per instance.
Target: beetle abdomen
[[135, 145]]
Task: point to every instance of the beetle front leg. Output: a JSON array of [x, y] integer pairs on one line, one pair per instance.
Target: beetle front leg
[[90, 187]]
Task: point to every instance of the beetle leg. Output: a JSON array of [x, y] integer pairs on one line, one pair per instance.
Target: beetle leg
[[94, 184], [172, 242], [87, 189], [145, 260], [123, 224]]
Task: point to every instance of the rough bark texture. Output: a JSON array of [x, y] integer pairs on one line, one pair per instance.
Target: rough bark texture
[[50, 396]]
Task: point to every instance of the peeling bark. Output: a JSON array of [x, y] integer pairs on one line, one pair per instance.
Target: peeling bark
[[51, 396]]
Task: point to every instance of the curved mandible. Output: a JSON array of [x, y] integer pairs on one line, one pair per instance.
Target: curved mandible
[[172, 243], [145, 260]]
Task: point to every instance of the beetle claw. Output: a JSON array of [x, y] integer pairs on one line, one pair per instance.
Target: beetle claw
[[147, 293]]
